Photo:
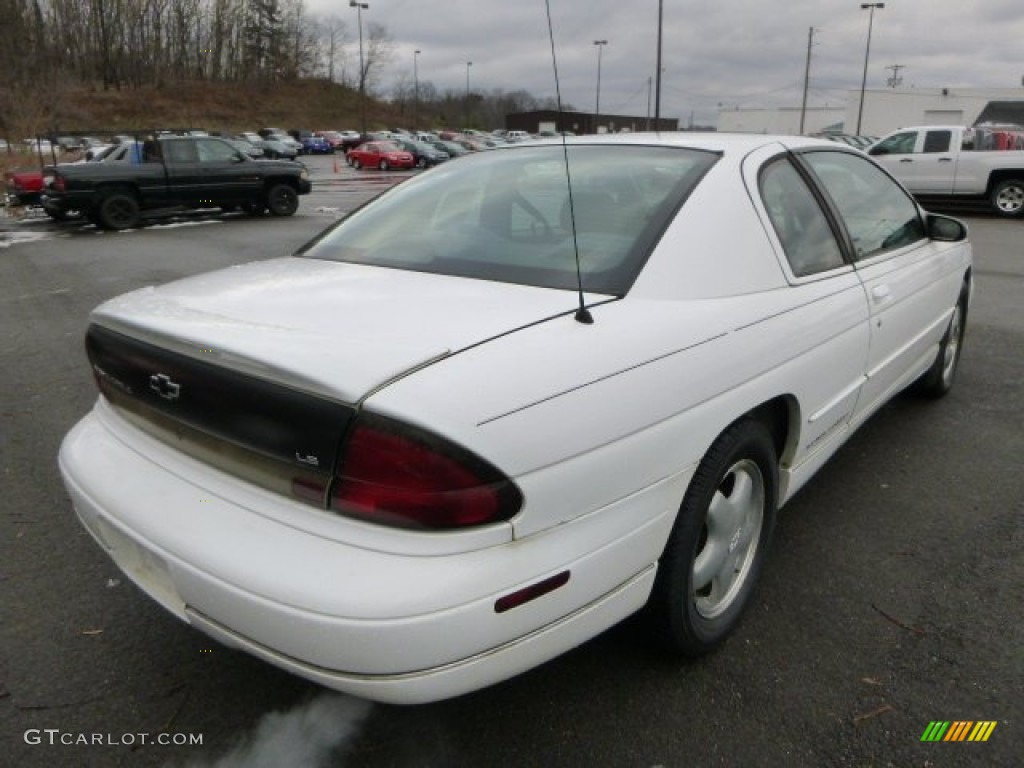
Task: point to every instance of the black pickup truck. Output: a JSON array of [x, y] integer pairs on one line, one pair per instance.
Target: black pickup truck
[[175, 172]]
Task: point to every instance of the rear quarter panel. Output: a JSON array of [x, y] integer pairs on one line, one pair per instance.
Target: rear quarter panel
[[974, 169], [581, 416]]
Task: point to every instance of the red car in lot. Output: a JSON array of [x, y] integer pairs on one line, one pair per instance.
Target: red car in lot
[[380, 154]]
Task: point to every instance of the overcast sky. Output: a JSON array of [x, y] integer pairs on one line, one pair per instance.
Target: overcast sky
[[745, 53]]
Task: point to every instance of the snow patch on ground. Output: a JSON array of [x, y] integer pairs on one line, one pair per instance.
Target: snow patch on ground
[[329, 210], [7, 239], [175, 224]]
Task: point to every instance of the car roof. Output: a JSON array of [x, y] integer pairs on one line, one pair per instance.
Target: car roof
[[724, 143]]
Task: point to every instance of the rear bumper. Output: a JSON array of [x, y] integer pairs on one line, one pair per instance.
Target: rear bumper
[[472, 673], [404, 628], [15, 197], [64, 203]]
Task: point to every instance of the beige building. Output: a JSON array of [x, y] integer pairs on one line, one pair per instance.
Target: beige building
[[886, 110]]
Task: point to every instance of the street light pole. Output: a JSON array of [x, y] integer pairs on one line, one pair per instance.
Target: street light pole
[[468, 65], [362, 72], [416, 90], [597, 105], [867, 53]]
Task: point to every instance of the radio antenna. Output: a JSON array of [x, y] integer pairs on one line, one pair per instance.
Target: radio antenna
[[582, 314]]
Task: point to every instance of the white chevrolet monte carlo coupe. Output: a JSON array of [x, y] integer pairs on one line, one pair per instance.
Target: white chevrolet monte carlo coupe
[[511, 402]]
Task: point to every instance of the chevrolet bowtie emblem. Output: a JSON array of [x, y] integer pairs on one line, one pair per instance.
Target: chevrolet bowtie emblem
[[161, 384]]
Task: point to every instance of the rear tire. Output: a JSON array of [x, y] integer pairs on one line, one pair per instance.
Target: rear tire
[[715, 552], [118, 210], [383, 165], [1008, 198], [356, 164]]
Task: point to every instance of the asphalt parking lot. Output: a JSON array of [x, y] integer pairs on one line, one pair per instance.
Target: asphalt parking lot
[[893, 595]]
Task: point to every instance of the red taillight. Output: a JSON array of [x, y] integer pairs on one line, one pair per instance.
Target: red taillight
[[397, 475], [58, 183]]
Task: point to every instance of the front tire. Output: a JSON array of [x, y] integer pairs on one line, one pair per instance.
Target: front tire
[[282, 200], [717, 546], [1008, 198]]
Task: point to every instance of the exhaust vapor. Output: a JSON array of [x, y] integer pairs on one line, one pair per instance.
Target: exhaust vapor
[[305, 737]]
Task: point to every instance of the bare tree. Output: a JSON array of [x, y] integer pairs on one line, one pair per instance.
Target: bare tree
[[378, 53], [332, 38]]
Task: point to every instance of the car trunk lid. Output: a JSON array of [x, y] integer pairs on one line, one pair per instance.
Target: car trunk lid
[[336, 330]]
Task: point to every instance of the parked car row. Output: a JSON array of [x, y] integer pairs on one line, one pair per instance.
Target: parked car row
[[422, 149], [857, 142]]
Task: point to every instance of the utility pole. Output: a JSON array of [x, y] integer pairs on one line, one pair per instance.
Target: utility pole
[[648, 127], [807, 78], [895, 80], [466, 118], [657, 73], [597, 104]]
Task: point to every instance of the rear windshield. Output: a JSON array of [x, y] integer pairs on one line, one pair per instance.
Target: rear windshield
[[505, 215]]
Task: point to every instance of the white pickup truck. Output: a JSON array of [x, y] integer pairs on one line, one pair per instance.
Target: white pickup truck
[[951, 163]]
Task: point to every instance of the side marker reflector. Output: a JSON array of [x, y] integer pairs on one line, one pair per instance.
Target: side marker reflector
[[532, 592]]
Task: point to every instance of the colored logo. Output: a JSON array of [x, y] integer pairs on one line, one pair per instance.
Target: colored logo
[[958, 730]]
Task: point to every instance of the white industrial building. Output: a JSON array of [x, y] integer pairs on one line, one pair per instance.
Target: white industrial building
[[885, 110]]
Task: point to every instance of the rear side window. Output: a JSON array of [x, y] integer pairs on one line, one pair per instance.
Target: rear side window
[[179, 152], [803, 229], [937, 141], [878, 214], [505, 215]]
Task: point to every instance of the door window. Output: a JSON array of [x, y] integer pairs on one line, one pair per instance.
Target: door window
[[878, 214], [213, 151], [897, 144]]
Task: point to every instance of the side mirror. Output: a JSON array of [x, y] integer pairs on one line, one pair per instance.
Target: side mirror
[[878, 151], [946, 229]]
